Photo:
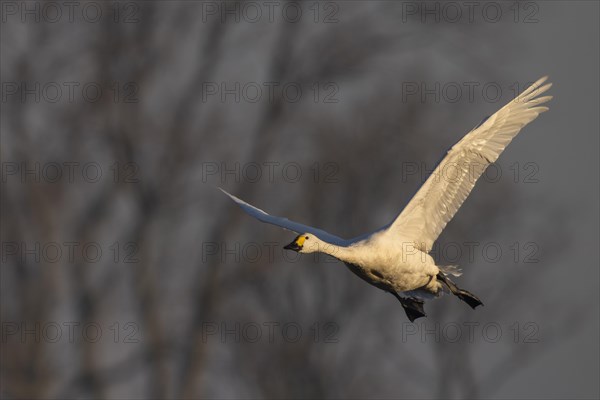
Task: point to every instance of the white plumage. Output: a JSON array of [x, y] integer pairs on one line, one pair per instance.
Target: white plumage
[[396, 257]]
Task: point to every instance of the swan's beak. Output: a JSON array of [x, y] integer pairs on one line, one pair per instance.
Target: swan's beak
[[293, 246], [297, 244]]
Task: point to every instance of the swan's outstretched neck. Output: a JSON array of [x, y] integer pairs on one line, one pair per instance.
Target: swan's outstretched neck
[[340, 252]]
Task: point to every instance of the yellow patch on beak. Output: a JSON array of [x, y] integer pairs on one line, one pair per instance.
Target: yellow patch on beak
[[300, 240], [297, 244]]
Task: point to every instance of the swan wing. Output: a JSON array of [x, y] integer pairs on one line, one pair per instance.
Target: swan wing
[[285, 223], [440, 197]]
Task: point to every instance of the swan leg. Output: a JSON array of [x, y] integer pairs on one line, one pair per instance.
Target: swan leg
[[412, 307], [462, 294]]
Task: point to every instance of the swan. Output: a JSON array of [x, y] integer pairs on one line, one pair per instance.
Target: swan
[[395, 258]]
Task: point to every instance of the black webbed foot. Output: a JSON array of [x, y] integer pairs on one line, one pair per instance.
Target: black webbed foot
[[469, 298], [412, 307], [462, 294]]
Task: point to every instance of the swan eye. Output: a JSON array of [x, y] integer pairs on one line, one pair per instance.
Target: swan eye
[[305, 237]]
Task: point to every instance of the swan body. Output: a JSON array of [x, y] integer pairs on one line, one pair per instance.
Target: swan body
[[396, 258]]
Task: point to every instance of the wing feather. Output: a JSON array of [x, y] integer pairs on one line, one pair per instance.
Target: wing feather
[[285, 223], [440, 197]]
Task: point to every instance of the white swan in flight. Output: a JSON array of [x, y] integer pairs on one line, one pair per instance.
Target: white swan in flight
[[395, 258]]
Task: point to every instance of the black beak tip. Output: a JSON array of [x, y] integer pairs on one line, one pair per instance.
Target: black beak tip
[[292, 246]]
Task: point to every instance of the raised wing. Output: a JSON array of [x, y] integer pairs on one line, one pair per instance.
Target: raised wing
[[440, 197], [286, 223]]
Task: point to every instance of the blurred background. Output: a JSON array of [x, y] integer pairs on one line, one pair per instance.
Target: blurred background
[[125, 274]]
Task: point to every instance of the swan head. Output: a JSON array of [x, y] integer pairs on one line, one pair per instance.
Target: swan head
[[306, 243]]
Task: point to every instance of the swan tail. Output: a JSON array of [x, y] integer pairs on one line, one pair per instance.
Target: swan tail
[[453, 270]]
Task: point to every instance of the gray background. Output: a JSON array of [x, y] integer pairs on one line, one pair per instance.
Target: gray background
[[173, 290]]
